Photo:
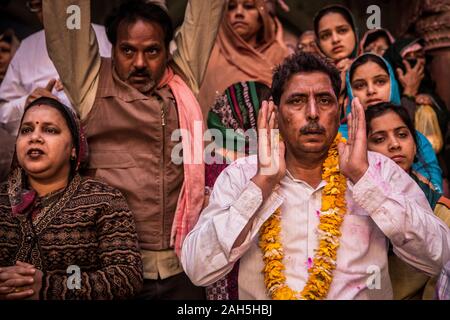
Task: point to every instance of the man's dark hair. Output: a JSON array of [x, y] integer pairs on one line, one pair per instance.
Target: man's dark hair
[[303, 62], [134, 10]]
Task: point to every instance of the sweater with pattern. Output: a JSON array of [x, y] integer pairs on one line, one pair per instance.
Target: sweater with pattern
[[86, 227]]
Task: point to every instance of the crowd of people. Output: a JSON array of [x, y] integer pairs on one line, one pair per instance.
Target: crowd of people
[[327, 177]]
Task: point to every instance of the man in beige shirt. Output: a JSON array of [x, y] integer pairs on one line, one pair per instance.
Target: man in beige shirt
[[129, 113]]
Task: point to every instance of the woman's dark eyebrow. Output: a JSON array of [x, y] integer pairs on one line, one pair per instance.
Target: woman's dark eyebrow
[[383, 131], [401, 127], [377, 132], [324, 31], [46, 123], [376, 76], [381, 75], [329, 29], [356, 80]]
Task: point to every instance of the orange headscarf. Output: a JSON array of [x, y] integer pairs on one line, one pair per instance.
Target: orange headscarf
[[233, 60]]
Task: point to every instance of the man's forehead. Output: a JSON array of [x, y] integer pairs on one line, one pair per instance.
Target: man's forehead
[[309, 81], [140, 30]]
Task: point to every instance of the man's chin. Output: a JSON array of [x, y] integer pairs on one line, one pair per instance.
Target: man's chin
[[313, 144], [143, 88], [313, 140], [318, 148]]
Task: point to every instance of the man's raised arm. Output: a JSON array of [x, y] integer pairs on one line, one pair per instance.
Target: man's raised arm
[[73, 48], [196, 38]]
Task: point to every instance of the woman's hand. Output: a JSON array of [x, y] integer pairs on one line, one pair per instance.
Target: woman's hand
[[424, 99], [412, 77], [343, 66], [21, 281]]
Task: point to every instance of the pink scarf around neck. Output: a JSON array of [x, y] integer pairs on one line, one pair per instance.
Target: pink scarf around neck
[[190, 201]]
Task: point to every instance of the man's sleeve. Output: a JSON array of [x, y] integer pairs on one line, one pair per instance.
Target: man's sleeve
[[208, 253], [73, 48], [12, 95], [196, 37], [400, 209]]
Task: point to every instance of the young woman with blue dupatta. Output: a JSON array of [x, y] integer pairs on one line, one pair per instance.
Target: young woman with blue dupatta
[[372, 80]]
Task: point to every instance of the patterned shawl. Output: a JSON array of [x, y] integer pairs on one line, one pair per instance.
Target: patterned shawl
[[236, 111]]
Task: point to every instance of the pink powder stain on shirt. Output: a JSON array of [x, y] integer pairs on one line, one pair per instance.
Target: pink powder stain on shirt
[[356, 231], [378, 166], [309, 263], [359, 230], [383, 184], [318, 213]]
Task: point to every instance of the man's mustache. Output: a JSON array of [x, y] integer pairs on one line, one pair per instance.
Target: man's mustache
[[139, 73], [312, 127]]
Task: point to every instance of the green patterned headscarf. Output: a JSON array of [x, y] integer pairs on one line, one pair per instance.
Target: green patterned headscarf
[[236, 111]]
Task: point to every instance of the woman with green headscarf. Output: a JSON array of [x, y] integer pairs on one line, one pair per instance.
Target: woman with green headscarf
[[232, 123]]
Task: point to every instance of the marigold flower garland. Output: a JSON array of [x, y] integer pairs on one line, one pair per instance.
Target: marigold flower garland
[[324, 262]]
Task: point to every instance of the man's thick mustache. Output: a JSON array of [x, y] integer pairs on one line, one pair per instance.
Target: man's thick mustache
[[312, 127], [139, 73]]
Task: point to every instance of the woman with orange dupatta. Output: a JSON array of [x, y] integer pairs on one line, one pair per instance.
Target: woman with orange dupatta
[[246, 49]]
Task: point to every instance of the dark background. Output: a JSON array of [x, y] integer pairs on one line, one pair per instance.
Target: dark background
[[14, 13], [401, 17]]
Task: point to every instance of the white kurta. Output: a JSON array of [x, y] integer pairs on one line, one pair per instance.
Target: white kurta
[[31, 68], [386, 204]]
